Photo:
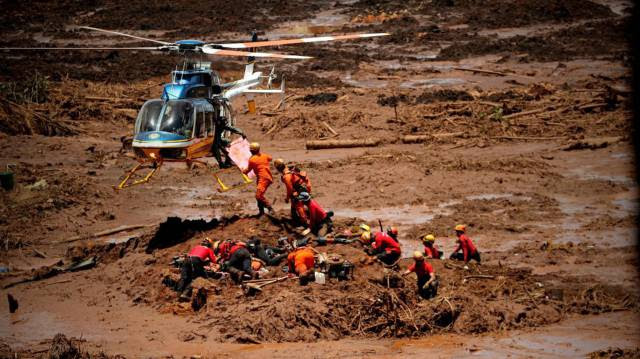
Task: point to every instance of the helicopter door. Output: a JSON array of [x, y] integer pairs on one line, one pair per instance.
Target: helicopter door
[[201, 128]]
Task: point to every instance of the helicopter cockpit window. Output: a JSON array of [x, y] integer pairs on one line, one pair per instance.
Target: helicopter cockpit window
[[148, 116], [178, 118]]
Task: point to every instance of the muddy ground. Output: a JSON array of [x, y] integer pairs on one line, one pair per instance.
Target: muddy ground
[[534, 154]]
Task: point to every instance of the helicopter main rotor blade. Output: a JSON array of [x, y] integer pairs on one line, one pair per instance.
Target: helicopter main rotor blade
[[123, 34], [80, 48], [246, 45], [223, 52]]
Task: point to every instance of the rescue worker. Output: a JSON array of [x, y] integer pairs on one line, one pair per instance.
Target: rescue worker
[[193, 267], [430, 249], [220, 144], [236, 260], [427, 281], [469, 250], [302, 262], [259, 164], [383, 247], [295, 182], [393, 233], [271, 256], [319, 223]]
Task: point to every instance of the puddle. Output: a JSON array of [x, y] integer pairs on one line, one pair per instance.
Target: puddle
[[366, 83], [426, 83], [324, 22], [587, 173], [620, 155]]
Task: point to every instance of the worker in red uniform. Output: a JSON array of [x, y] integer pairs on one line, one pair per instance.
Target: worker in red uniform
[[302, 262], [194, 266], [427, 281], [259, 164], [430, 249], [469, 250], [236, 259], [383, 247], [319, 222], [295, 182], [393, 232]]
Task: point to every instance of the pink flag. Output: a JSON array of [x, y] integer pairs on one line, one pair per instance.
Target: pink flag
[[239, 153]]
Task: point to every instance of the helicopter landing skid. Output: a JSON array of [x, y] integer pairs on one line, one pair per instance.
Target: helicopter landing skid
[[155, 166], [223, 187]]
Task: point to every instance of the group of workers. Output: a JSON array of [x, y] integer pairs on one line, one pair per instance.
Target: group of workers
[[305, 211], [242, 259], [386, 248]]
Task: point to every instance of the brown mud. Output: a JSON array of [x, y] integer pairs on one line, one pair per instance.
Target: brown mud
[[534, 154]]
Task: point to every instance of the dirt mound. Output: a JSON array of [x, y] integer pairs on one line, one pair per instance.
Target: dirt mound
[[494, 13], [604, 39], [320, 98], [615, 353], [482, 299]]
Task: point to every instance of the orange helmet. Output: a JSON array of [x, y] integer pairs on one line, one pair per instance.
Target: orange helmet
[[393, 231], [460, 228]]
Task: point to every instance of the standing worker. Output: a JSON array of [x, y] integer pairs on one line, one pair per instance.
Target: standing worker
[[430, 249], [295, 182], [220, 144], [193, 266], [259, 164], [302, 262], [469, 251], [319, 222], [427, 282], [384, 248]]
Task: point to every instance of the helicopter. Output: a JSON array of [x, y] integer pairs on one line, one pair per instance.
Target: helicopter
[[193, 118]]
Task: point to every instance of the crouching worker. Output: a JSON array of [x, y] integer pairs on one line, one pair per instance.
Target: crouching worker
[[427, 281], [302, 262], [236, 260], [430, 249], [194, 266], [465, 244], [383, 247], [271, 256], [320, 222]]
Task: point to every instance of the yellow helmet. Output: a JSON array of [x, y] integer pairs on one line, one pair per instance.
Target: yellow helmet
[[215, 245], [365, 237], [461, 228], [365, 228], [207, 242], [279, 164], [254, 147], [417, 255], [429, 238]]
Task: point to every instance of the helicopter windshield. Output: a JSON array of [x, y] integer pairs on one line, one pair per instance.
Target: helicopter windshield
[[178, 118], [148, 117]]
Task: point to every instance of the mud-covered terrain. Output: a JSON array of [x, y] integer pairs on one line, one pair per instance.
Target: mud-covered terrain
[[513, 117]]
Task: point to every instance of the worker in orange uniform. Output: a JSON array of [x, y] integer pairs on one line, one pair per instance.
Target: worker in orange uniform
[[295, 182], [427, 281], [430, 249], [383, 247], [259, 164], [302, 262], [469, 250]]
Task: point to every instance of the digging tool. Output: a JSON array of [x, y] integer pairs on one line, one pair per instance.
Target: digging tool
[[253, 286]]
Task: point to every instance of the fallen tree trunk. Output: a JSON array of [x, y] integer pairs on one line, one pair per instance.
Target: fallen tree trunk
[[425, 138], [318, 145]]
